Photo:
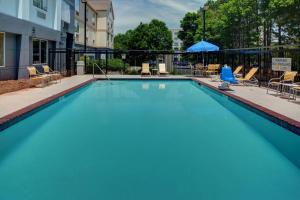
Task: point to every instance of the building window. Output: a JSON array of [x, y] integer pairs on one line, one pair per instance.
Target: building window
[[77, 6], [39, 51], [2, 49], [41, 4], [65, 12], [94, 19], [76, 26]]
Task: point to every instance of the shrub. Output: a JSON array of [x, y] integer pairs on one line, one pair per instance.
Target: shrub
[[132, 72], [113, 64]]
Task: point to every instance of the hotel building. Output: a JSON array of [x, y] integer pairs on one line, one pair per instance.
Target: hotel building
[[100, 24], [28, 28]]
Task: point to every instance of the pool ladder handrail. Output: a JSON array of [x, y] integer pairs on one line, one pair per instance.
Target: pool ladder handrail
[[95, 64]]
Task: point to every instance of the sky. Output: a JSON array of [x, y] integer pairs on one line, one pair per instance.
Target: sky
[[129, 13]]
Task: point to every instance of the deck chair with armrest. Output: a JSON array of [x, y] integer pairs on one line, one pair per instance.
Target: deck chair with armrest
[[37, 78], [199, 67], [162, 69], [54, 75], [276, 83], [212, 69], [146, 69], [250, 77]]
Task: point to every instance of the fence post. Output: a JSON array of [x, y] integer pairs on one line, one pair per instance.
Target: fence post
[[106, 57], [260, 68]]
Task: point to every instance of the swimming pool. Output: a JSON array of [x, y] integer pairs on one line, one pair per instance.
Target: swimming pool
[[143, 140]]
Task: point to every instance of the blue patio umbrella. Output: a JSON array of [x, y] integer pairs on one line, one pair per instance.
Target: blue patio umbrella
[[202, 46]]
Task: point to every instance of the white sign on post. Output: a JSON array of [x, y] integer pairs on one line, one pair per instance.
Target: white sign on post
[[281, 64], [103, 56]]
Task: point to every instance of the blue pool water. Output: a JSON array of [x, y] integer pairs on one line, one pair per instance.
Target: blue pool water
[[148, 140]]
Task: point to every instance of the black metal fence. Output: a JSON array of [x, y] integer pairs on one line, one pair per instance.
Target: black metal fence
[[129, 62]]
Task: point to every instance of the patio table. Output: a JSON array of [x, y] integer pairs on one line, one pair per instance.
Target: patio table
[[154, 71], [287, 87]]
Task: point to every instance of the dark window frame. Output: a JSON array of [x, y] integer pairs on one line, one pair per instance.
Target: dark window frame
[[40, 56]]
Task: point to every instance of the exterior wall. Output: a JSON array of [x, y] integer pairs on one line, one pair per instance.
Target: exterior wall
[[110, 28], [25, 10], [9, 71], [51, 20], [105, 30], [101, 39], [91, 26], [10, 7], [100, 27], [20, 22], [67, 26]]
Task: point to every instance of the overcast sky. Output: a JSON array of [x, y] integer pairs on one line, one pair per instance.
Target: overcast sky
[[129, 13]]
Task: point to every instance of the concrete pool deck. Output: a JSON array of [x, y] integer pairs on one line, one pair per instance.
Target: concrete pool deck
[[17, 103], [259, 96]]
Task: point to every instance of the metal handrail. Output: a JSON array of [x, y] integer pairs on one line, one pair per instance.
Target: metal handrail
[[95, 64]]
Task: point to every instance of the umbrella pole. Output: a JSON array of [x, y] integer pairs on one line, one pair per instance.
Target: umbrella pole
[[203, 58]]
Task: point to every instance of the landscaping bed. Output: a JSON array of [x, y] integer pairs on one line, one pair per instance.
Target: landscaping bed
[[14, 85]]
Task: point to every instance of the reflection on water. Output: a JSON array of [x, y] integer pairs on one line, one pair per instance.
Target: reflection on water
[[162, 86]]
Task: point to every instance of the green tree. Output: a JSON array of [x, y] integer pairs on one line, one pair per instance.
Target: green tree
[[121, 41], [229, 24], [189, 25], [285, 17], [159, 36], [152, 36]]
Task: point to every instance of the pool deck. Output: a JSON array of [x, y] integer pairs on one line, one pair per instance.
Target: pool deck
[[259, 96], [16, 104]]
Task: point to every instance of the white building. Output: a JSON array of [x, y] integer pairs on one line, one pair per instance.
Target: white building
[[177, 43], [100, 24], [28, 28]]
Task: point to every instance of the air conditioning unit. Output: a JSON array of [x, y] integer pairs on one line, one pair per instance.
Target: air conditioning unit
[[41, 15]]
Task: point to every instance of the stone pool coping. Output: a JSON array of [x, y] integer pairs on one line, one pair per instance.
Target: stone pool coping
[[281, 120]]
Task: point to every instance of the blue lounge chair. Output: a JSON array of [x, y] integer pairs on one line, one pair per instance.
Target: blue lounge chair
[[228, 76]]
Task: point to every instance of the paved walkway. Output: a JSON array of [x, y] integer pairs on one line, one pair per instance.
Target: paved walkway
[[258, 96], [15, 101]]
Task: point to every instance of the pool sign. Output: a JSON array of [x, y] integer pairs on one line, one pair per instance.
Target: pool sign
[[281, 64]]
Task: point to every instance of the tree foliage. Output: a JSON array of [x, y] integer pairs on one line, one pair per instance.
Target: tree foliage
[[152, 36], [189, 26], [244, 23]]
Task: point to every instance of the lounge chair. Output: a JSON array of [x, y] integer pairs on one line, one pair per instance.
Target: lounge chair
[[237, 71], [250, 77], [287, 77], [212, 69], [37, 78], [145, 69], [227, 75], [198, 68], [162, 69], [54, 75]]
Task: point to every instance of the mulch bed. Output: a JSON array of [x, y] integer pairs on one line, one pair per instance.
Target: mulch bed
[[14, 85]]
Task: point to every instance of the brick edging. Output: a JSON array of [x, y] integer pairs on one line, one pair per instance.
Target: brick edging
[[277, 118], [9, 119]]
